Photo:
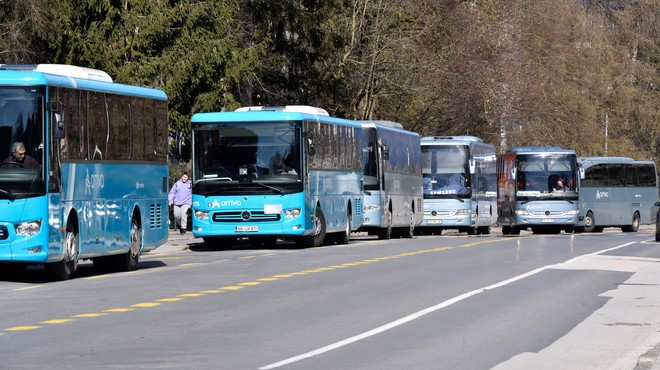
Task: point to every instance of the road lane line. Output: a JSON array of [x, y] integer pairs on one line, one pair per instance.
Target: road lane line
[[426, 311]]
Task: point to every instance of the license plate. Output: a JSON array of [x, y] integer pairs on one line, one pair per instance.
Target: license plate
[[246, 228], [435, 222], [546, 220]]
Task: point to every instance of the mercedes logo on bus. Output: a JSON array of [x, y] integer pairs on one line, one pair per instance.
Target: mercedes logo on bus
[[246, 215]]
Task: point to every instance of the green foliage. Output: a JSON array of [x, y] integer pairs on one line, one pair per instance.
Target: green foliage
[[515, 72]]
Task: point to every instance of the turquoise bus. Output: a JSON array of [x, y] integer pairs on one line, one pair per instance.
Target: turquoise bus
[[459, 184], [616, 192], [269, 173], [95, 186], [392, 162], [537, 189]]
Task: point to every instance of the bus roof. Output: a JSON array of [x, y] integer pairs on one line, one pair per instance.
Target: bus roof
[[286, 108], [470, 141], [591, 161], [75, 77], [539, 150], [389, 124], [264, 115]]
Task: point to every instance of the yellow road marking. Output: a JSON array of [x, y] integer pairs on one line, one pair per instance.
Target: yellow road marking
[[119, 310], [169, 299], [246, 257], [232, 287], [30, 287], [250, 283], [212, 291], [190, 295], [58, 321], [146, 304], [283, 275], [23, 328], [268, 279], [90, 315]]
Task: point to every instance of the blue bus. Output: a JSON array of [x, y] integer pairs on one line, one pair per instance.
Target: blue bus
[[392, 162], [616, 192], [84, 174], [459, 184], [264, 173], [537, 188]]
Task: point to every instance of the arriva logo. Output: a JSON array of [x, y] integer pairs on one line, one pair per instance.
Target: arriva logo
[[93, 181], [602, 194], [224, 203]]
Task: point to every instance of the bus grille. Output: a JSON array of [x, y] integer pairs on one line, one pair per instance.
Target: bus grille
[[242, 216], [4, 233], [155, 216]]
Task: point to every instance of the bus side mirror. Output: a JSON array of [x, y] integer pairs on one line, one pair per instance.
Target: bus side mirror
[[513, 173], [56, 119], [473, 166], [582, 175], [310, 147], [385, 149]]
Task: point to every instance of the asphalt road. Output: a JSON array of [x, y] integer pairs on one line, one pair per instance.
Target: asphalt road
[[584, 301]]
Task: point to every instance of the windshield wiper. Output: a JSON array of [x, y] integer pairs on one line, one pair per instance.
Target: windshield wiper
[[8, 194], [273, 188]]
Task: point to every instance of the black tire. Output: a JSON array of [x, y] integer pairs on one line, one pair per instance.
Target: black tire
[[589, 223], [317, 237], [634, 226], [62, 270], [345, 236], [129, 260], [515, 230], [386, 232], [657, 237], [409, 232], [485, 230], [506, 229]]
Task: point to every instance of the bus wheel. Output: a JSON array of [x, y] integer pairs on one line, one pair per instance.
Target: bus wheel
[[63, 269], [632, 228], [345, 236], [317, 237], [506, 229], [386, 232], [472, 231], [484, 230], [128, 261], [589, 222], [409, 232], [515, 230]]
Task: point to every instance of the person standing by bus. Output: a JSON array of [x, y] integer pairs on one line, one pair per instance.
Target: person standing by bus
[[181, 199]]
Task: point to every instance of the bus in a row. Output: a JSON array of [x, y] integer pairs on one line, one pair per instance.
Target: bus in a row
[[294, 172], [459, 184], [84, 174], [616, 192]]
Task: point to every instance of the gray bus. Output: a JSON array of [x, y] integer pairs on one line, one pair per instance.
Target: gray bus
[[616, 192]]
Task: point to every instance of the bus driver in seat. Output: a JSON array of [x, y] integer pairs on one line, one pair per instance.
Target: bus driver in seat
[[19, 158], [280, 166]]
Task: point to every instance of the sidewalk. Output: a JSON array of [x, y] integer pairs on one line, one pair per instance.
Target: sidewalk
[[175, 243]]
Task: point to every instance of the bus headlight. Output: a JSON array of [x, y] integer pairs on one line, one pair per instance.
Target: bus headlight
[[292, 213], [573, 212], [201, 215], [463, 212], [28, 228], [521, 212], [371, 207]]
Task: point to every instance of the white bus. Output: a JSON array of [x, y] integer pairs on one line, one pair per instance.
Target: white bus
[[616, 192], [459, 175], [391, 158]]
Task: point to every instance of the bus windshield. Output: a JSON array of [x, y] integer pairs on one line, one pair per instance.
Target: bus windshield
[[445, 171], [21, 142], [546, 176], [247, 158]]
